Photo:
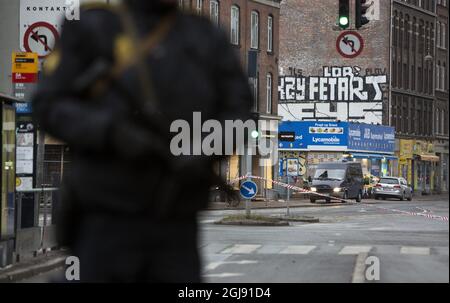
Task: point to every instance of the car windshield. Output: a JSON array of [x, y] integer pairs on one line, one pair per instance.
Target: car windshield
[[329, 174], [388, 181]]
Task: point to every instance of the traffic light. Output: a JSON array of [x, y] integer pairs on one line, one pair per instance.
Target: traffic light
[[344, 14], [360, 12]]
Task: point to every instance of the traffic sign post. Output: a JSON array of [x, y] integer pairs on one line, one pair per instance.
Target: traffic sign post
[[349, 44], [248, 191], [40, 38]]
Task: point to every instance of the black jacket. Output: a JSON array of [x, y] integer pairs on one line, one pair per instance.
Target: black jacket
[[113, 170]]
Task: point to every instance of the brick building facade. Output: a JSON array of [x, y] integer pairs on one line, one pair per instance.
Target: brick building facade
[[253, 30], [400, 43]]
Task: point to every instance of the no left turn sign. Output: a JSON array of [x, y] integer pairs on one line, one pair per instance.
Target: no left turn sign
[[40, 38], [349, 44]]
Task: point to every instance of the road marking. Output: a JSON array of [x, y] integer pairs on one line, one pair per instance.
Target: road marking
[[360, 268], [411, 250], [241, 249], [223, 275], [355, 250], [214, 265], [298, 249]]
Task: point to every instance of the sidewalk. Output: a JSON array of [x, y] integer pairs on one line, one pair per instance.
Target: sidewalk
[[32, 267]]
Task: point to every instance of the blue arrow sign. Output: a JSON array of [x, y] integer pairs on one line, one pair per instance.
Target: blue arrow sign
[[248, 190]]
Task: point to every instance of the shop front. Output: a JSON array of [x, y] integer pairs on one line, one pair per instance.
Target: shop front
[[312, 142], [424, 167]]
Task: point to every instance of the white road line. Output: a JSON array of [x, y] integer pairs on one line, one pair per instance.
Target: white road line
[[223, 275], [214, 265], [298, 249], [241, 249], [355, 250], [360, 268], [411, 250]]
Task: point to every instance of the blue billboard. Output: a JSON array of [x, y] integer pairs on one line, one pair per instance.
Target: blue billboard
[[316, 135], [373, 138], [313, 134], [24, 107]]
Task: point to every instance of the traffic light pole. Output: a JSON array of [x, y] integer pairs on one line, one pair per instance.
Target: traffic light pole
[[248, 164]]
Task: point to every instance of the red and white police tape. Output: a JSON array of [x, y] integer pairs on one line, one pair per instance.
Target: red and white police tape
[[304, 191]]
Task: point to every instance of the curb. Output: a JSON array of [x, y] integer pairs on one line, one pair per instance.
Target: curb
[[250, 223], [28, 272], [301, 219], [279, 207]]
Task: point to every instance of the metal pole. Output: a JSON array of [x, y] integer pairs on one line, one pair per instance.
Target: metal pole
[[288, 198], [248, 163], [39, 170]]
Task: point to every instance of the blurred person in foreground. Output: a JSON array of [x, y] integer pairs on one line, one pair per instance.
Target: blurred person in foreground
[[129, 206]]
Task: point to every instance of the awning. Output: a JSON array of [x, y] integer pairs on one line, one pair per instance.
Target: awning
[[431, 158], [373, 156]]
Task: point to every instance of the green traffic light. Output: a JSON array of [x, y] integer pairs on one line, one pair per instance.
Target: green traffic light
[[343, 20]]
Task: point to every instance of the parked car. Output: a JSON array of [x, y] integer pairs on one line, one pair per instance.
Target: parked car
[[342, 180], [393, 187]]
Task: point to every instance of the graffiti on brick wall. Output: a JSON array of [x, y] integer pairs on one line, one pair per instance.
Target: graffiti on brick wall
[[340, 93]]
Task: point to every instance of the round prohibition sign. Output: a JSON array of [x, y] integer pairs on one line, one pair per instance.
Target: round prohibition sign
[[349, 44], [40, 38]]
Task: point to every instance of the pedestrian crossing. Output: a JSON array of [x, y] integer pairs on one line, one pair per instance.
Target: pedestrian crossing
[[257, 249]]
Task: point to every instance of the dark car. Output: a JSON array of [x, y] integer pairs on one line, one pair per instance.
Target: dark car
[[343, 180]]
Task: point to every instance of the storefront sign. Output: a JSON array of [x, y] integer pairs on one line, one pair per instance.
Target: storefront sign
[[314, 135], [336, 136], [373, 138], [406, 149]]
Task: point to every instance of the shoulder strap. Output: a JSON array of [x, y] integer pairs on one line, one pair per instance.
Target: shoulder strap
[[145, 47]]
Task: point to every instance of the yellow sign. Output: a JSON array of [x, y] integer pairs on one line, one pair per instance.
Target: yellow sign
[[423, 148], [406, 149], [25, 63]]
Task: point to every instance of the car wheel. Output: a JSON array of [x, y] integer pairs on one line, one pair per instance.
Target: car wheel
[[359, 197], [312, 200], [377, 198], [410, 197], [384, 198], [402, 198]]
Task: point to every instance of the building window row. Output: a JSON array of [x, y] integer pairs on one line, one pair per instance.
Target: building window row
[[441, 76], [440, 119], [441, 34], [411, 115]]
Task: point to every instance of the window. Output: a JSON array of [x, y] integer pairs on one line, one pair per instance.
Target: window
[[234, 30], [270, 34], [214, 11], [438, 75], [269, 94], [443, 122], [407, 31], [256, 92], [438, 34], [254, 33], [444, 35], [199, 7], [438, 123], [443, 78]]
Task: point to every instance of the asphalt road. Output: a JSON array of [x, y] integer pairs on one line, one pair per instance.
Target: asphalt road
[[407, 248]]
